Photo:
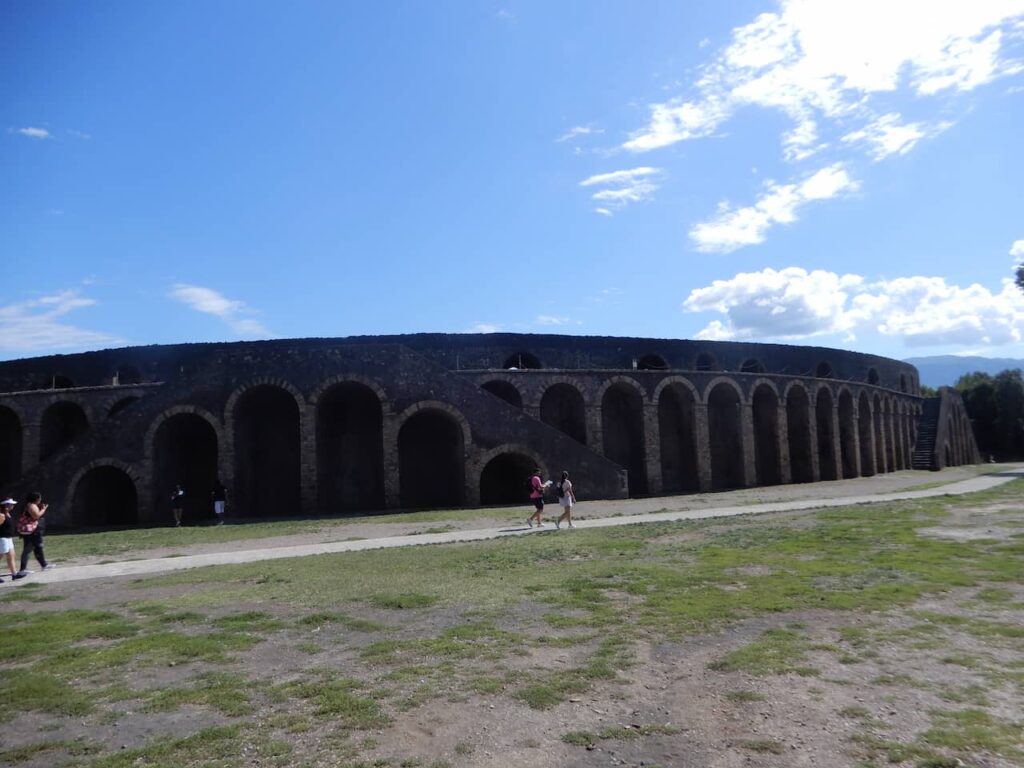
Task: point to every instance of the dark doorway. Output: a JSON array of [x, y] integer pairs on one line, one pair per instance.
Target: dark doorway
[[879, 437], [185, 452], [677, 427], [867, 459], [751, 366], [725, 437], [521, 361], [105, 496], [622, 419], [826, 435], [505, 479], [267, 453], [10, 446], [766, 436], [127, 374], [706, 362], [349, 449], [847, 441], [562, 408], [505, 391], [798, 432], [652, 362], [431, 461], [62, 423]]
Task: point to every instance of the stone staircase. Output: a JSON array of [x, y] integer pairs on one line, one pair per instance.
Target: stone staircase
[[924, 448]]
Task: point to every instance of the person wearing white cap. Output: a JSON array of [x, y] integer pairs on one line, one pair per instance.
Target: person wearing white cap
[[7, 535]]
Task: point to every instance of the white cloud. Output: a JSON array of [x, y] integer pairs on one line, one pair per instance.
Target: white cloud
[[733, 228], [887, 135], [579, 130], [793, 303], [622, 187], [33, 133], [484, 328], [231, 311], [36, 326], [552, 320], [1017, 249]]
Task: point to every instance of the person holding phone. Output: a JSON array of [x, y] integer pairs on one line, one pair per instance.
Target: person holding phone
[[30, 528]]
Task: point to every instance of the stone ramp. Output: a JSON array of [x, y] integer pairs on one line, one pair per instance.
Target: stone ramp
[[167, 564]]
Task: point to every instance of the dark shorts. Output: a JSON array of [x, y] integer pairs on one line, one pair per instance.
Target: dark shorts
[[539, 504]]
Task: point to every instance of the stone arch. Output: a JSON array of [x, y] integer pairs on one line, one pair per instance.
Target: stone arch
[[504, 390], [876, 411], [613, 380], [432, 441], [11, 442], [864, 435], [725, 433], [182, 445], [823, 370], [765, 413], [522, 361], [652, 362], [872, 377], [823, 407], [890, 441], [326, 384], [265, 421], [62, 423], [104, 493], [677, 401], [562, 406], [349, 447], [847, 434], [722, 380], [622, 428], [752, 365], [798, 432], [705, 361], [505, 473]]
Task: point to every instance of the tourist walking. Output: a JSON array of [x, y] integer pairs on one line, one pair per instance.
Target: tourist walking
[[537, 497], [177, 504], [220, 498], [566, 497], [7, 535], [30, 528]]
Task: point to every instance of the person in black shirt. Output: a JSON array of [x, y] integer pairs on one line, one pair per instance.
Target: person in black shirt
[[7, 534]]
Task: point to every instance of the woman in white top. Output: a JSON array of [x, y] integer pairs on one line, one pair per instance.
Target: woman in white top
[[567, 499]]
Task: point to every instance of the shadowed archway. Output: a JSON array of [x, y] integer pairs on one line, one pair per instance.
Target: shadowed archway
[[105, 496], [349, 449], [62, 423], [505, 479], [431, 459], [622, 422], [185, 452], [725, 437], [562, 407], [266, 442], [677, 428]]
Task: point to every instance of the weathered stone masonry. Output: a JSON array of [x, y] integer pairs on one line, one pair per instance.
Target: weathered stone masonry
[[329, 426]]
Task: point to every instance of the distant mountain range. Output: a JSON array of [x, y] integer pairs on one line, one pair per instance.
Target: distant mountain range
[[944, 370]]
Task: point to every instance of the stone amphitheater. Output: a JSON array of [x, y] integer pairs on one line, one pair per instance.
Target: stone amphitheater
[[307, 427]]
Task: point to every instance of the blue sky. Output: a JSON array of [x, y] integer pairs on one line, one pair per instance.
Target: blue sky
[[842, 174]]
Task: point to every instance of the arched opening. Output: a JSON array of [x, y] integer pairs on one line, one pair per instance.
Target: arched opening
[[765, 409], [948, 456], [798, 433], [879, 436], [185, 453], [521, 361], [652, 362], [826, 435], [823, 371], [127, 374], [562, 408], [867, 459], [505, 391], [505, 479], [750, 365], [120, 405], [903, 382], [622, 420], [677, 428], [847, 436], [61, 382], [705, 362], [62, 423], [267, 453], [10, 446], [872, 376], [890, 438], [725, 436], [431, 461], [105, 496], [349, 449]]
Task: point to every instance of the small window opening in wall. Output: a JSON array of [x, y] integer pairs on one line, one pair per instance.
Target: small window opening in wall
[[751, 366], [706, 362], [61, 382], [522, 360], [652, 362], [873, 376], [903, 382], [823, 371]]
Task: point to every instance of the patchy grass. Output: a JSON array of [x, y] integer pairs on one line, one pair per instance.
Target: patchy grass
[[777, 652]]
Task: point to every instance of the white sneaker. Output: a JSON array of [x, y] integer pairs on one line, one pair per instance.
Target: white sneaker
[[529, 522], [49, 566], [571, 525]]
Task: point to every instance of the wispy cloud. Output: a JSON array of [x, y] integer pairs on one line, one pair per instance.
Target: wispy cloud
[[32, 133], [579, 130], [37, 325], [1017, 250], [484, 328], [233, 312], [620, 188], [555, 320], [733, 228]]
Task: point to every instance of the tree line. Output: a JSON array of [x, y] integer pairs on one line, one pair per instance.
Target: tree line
[[995, 406]]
